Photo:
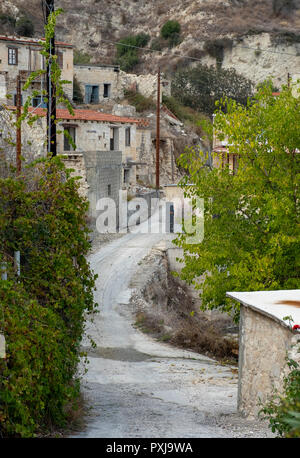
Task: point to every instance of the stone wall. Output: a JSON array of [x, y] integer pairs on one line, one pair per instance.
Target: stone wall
[[145, 84], [76, 162], [33, 137], [263, 348], [30, 59]]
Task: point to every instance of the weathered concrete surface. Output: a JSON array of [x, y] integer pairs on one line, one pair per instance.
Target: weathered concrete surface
[[265, 342], [138, 387]]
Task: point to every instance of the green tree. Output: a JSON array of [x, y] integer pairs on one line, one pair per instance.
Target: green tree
[[283, 409], [171, 31], [127, 50], [200, 87], [25, 27], [252, 236]]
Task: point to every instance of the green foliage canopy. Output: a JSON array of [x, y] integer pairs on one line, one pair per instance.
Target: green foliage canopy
[[171, 31], [200, 87], [252, 236], [25, 27], [42, 312], [127, 50], [283, 409]]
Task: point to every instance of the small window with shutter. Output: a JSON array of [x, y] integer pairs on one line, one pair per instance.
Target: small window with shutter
[[12, 56]]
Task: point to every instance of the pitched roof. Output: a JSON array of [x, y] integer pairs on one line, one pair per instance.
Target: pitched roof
[[83, 115], [34, 41]]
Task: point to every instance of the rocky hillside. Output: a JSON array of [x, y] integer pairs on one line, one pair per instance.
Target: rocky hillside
[[258, 37]]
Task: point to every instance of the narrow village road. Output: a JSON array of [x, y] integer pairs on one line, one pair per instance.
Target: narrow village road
[[136, 386]]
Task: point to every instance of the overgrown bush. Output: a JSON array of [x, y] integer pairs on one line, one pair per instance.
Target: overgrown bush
[[215, 48], [171, 31], [7, 19], [200, 87], [25, 27], [42, 312], [283, 6], [81, 58], [139, 101], [77, 94], [283, 410], [127, 50]]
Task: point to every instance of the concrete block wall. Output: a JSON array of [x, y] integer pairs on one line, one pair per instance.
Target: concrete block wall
[[103, 168]]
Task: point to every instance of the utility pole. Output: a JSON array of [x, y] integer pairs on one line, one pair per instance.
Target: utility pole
[[288, 79], [157, 130], [51, 104], [18, 133]]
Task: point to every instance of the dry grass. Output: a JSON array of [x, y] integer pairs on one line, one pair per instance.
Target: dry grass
[[173, 318]]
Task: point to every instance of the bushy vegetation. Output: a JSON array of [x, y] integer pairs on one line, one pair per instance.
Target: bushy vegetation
[[128, 52], [283, 6], [215, 48], [171, 31], [77, 94], [25, 27], [283, 410], [139, 101], [187, 115], [251, 217], [7, 19], [42, 312], [81, 58], [200, 87]]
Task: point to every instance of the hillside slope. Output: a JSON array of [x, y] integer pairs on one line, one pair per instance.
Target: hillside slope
[[93, 26]]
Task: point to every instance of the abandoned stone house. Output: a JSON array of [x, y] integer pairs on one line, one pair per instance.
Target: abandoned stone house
[[90, 131], [21, 55], [101, 83], [98, 83]]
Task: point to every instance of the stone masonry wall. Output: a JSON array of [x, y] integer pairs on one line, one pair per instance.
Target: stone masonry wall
[[98, 76], [264, 344]]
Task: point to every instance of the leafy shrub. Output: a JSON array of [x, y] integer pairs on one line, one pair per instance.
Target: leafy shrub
[[77, 94], [285, 38], [171, 31], [81, 58], [140, 102], [42, 311], [7, 19], [283, 411], [215, 48], [200, 87], [127, 50], [25, 27]]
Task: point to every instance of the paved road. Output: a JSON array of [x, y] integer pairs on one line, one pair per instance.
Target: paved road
[[138, 387]]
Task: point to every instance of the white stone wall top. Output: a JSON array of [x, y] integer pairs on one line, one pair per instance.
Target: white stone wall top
[[275, 304]]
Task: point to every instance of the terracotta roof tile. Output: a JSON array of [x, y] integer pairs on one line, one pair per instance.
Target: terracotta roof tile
[[84, 115]]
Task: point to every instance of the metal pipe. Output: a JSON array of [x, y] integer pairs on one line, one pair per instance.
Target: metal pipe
[[157, 129]]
